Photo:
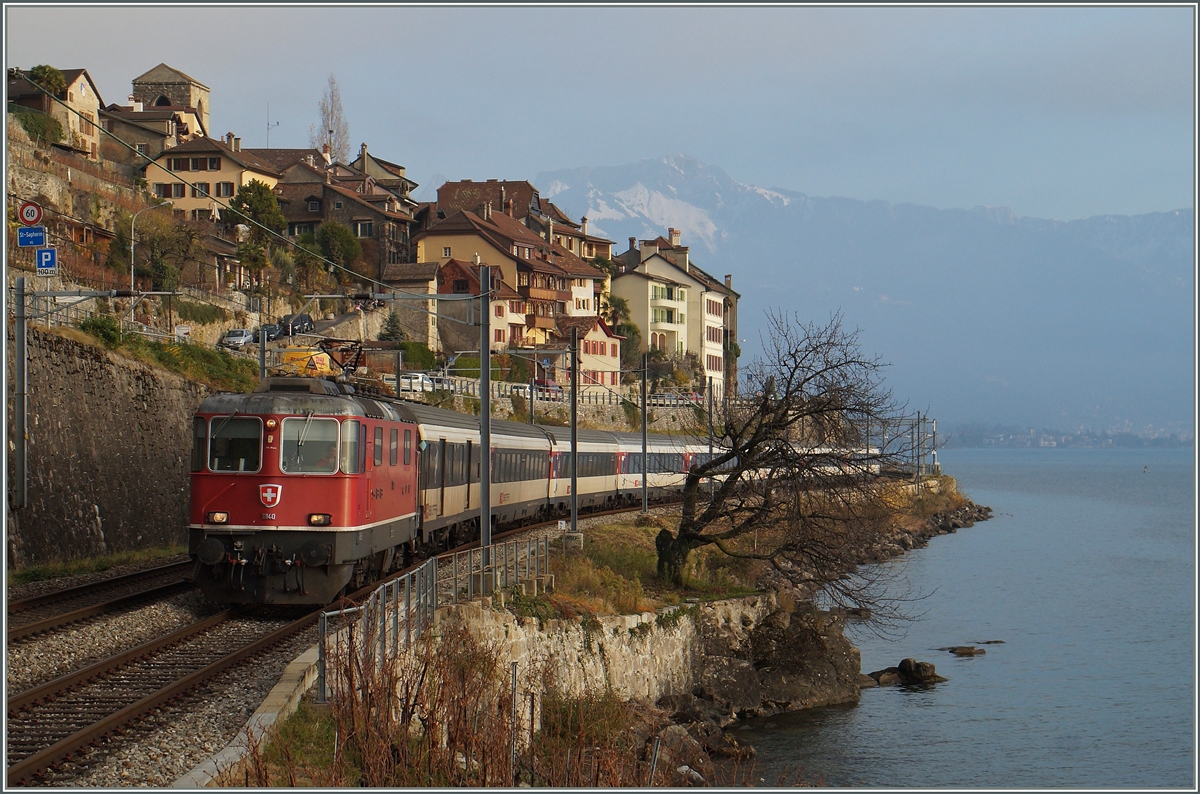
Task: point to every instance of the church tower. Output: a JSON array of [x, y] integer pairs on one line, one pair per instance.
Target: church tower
[[165, 86]]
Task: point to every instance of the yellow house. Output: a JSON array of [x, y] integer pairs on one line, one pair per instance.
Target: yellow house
[[196, 172]]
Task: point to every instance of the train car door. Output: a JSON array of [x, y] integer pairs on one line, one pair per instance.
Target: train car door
[[441, 485]]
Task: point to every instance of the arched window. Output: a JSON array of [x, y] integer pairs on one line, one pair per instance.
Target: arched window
[[162, 101]]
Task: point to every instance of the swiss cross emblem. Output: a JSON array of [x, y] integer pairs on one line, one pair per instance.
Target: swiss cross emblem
[[270, 494]]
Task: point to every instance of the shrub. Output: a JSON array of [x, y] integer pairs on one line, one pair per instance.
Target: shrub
[[201, 313], [41, 128], [417, 356], [103, 327]]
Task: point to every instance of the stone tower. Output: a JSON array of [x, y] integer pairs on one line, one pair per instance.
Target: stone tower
[[164, 85]]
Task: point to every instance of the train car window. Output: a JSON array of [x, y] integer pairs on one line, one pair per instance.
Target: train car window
[[350, 454], [236, 444], [308, 445], [394, 447], [475, 456], [199, 443], [379, 446], [407, 447]]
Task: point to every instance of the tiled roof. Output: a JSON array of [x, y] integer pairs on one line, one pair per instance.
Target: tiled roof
[[283, 158], [565, 323], [361, 199], [572, 264], [198, 145], [558, 215], [413, 271], [454, 268], [466, 195], [165, 74]]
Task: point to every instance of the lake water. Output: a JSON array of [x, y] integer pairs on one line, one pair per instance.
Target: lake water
[[1087, 573]]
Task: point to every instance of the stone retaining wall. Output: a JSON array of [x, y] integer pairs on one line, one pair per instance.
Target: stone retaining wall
[[109, 447]]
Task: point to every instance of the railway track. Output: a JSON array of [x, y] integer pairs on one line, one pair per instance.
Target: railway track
[[54, 722], [62, 607]]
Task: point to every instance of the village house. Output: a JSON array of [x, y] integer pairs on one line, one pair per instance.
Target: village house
[[681, 309], [79, 119], [198, 171], [167, 88], [148, 132]]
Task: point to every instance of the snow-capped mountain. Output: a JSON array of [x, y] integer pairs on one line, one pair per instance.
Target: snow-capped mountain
[[983, 314]]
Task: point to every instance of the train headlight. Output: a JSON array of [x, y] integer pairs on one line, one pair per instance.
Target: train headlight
[[320, 519], [217, 518]]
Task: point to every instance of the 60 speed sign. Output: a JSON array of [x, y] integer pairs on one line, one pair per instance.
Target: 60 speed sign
[[30, 213]]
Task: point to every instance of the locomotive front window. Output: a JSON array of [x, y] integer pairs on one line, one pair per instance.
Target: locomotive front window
[[351, 460], [199, 443], [235, 444], [309, 446]]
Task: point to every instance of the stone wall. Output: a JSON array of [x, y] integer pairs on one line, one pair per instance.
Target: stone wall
[[109, 447], [637, 656]]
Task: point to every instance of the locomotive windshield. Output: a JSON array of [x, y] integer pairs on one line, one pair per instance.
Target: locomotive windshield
[[309, 446], [235, 444]]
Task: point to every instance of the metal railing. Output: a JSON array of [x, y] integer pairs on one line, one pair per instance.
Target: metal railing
[[407, 603]]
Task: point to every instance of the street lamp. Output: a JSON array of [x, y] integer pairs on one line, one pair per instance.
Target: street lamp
[[132, 261]]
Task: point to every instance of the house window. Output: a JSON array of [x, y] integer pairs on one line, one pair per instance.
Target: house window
[[295, 229], [460, 285], [214, 164], [337, 205], [446, 251], [141, 149], [613, 348], [499, 335], [363, 229], [200, 190], [314, 206], [178, 190], [514, 307], [199, 163], [522, 279], [180, 164], [224, 189], [591, 250], [527, 250], [499, 309], [161, 190]]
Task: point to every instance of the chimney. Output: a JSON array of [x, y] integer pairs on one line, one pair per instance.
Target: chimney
[[362, 154], [328, 177], [135, 104], [583, 224], [325, 154], [673, 235], [508, 207], [632, 243], [309, 159], [504, 200], [237, 144], [550, 231], [229, 139], [729, 280]]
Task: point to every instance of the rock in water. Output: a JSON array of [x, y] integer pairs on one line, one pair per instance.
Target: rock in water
[[914, 672]]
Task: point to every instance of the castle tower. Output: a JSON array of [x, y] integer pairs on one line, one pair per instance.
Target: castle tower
[[164, 85]]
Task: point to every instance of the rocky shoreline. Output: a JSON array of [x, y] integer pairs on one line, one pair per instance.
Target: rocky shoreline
[[794, 657]]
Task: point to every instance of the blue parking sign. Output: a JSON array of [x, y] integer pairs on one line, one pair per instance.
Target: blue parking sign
[[47, 261]]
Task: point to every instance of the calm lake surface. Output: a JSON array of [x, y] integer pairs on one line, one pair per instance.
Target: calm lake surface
[[1087, 573]]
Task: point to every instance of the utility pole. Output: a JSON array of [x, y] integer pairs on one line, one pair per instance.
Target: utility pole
[[20, 494], [710, 429], [574, 430], [645, 438], [485, 413]]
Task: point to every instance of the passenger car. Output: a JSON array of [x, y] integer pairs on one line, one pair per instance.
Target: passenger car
[[296, 324], [547, 390], [271, 330], [236, 338]]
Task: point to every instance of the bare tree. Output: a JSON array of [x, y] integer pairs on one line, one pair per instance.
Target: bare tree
[[333, 129], [798, 473]]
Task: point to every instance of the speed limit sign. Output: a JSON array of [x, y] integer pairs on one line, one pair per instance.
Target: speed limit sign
[[30, 213]]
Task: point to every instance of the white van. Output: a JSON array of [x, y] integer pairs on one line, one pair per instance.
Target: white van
[[237, 338]]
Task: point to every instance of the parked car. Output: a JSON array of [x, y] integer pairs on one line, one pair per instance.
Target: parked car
[[236, 338], [270, 330], [296, 324], [415, 381]]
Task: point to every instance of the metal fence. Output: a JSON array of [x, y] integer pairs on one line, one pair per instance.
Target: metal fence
[[403, 607]]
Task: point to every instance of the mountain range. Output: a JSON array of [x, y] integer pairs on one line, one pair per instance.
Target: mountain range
[[982, 315]]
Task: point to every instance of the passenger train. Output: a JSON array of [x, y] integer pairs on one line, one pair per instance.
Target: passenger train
[[304, 488]]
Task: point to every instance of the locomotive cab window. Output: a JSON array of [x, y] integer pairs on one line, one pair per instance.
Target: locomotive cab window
[[350, 447], [199, 443], [309, 446], [379, 446], [407, 447], [235, 444]]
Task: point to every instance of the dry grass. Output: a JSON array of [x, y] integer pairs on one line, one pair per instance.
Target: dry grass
[[56, 570]]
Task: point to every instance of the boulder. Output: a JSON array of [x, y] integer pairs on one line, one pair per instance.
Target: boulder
[[964, 650], [889, 676], [914, 672], [732, 685], [678, 748]]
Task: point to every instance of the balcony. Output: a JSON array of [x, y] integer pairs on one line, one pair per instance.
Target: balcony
[[536, 321], [539, 294]]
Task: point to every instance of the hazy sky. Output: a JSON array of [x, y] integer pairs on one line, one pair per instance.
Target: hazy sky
[[1054, 112]]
